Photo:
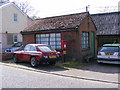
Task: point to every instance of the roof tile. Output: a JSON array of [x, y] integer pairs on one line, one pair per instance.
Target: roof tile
[[58, 22], [107, 23]]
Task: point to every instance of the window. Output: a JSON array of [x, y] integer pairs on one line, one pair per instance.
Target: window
[[46, 48], [85, 40], [110, 49], [52, 39], [15, 17], [15, 38], [32, 48], [27, 48]]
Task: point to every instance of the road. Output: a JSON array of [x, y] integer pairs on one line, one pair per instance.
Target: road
[[20, 78]]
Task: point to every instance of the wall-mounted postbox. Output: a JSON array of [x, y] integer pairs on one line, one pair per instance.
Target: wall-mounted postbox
[[64, 44]]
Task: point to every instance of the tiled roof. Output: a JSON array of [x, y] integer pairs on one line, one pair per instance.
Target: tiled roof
[[2, 4], [58, 22], [107, 23]]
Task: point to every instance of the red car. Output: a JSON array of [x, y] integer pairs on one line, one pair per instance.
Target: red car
[[37, 53]]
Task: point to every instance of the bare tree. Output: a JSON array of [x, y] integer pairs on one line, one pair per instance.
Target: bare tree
[[25, 7], [35, 17], [4, 1], [108, 9]]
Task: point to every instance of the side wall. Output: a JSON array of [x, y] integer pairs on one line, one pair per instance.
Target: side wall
[[72, 45], [28, 39], [11, 28], [87, 26], [0, 30], [8, 22]]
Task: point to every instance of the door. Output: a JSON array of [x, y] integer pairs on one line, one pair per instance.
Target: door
[[26, 54], [93, 43]]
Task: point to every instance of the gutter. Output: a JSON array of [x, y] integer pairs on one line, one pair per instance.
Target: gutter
[[51, 30]]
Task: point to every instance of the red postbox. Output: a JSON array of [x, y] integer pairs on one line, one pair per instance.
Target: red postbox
[[64, 44]]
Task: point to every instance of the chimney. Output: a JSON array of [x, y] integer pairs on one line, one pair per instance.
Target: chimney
[[87, 7]]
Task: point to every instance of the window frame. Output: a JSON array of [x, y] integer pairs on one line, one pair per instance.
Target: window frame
[[15, 17], [27, 48], [85, 40], [52, 39], [15, 38], [33, 47]]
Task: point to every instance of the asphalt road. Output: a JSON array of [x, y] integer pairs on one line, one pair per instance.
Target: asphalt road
[[19, 78]]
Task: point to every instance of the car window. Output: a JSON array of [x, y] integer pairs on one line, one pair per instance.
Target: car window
[[27, 48], [17, 44], [46, 48], [32, 48], [110, 49]]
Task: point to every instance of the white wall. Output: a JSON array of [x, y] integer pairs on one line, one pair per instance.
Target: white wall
[[8, 22], [0, 42], [0, 20], [0, 30], [4, 41]]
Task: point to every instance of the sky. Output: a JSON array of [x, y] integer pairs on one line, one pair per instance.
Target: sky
[[49, 8]]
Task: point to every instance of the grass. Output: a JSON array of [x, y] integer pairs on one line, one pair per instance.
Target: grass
[[70, 65]]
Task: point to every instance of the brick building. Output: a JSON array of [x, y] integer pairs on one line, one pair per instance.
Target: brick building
[[77, 29]]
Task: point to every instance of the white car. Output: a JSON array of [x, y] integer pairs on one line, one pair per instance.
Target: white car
[[109, 53]]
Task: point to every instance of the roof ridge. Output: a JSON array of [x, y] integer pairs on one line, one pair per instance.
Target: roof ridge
[[57, 22], [62, 15], [105, 13]]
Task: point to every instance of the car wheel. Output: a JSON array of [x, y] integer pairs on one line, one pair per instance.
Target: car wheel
[[15, 59], [52, 63], [34, 62]]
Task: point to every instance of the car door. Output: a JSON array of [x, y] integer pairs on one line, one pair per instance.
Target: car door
[[26, 54], [30, 50]]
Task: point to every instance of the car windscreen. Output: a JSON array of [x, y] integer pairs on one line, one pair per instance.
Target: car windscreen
[[17, 44], [46, 48], [109, 49]]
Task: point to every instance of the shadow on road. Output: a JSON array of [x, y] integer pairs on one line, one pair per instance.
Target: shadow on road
[[44, 67], [94, 67], [104, 68]]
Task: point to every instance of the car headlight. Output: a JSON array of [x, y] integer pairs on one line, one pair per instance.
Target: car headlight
[[7, 51]]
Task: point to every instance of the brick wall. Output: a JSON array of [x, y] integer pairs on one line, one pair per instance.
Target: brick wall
[[71, 39], [28, 39], [74, 41], [87, 26]]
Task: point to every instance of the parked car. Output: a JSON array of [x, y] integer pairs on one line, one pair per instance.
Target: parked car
[[109, 53], [37, 53], [13, 48]]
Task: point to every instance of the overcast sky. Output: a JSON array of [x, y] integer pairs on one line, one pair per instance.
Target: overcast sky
[[48, 8]]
